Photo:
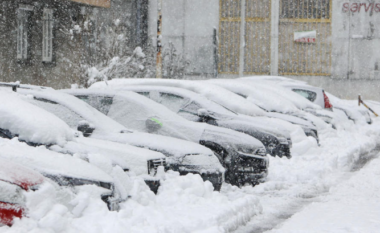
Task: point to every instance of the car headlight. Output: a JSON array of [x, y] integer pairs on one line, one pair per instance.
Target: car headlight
[[282, 140], [245, 150]]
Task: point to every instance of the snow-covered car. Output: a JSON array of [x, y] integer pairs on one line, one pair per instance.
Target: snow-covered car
[[38, 127], [195, 107], [63, 169], [313, 94], [226, 98], [243, 156], [351, 109], [269, 87], [328, 101], [14, 180], [183, 156]]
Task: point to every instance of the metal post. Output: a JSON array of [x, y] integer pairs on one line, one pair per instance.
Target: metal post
[[275, 21], [215, 42], [159, 41], [242, 40]]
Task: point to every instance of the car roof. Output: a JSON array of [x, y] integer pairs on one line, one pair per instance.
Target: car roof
[[19, 175], [78, 106], [213, 92], [31, 123], [192, 96]]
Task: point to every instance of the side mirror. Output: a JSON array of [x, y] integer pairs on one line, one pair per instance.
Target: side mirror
[[86, 128], [203, 112], [153, 124]]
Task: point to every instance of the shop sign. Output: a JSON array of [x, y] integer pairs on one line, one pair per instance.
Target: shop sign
[[361, 7], [305, 36]]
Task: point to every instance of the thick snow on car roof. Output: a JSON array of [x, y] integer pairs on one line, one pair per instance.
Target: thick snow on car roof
[[84, 110], [263, 98], [190, 95], [31, 123], [203, 102], [220, 95], [267, 95], [132, 110], [20, 175], [50, 162]]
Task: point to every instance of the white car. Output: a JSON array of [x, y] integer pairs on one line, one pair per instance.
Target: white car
[[243, 156], [37, 127], [220, 95], [197, 108], [183, 156]]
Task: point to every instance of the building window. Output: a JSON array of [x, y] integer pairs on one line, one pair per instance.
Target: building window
[[47, 35], [305, 9], [23, 32]]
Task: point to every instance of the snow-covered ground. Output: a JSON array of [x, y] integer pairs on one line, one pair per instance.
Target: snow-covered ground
[[321, 189]]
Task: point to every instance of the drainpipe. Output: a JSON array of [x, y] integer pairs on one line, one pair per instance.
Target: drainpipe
[[242, 39], [159, 40], [275, 21]]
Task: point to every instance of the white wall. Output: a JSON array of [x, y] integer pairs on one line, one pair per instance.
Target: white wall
[[356, 43], [189, 24]]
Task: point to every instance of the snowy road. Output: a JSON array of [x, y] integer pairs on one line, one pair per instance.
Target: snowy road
[[297, 213]]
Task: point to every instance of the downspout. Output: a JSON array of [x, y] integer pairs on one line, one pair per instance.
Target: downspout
[[242, 40], [159, 40]]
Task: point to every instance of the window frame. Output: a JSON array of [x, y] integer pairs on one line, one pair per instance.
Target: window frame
[[48, 35], [23, 28]]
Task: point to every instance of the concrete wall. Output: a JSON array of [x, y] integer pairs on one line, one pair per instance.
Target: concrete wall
[[189, 26], [356, 39], [355, 43], [74, 50]]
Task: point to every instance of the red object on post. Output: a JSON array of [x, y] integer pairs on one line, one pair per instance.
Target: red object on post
[[327, 101]]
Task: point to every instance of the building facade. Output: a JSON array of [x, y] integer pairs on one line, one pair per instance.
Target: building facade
[[329, 43], [52, 43]]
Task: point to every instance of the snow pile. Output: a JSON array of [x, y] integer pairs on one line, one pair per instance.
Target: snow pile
[[49, 162], [353, 206], [312, 171], [183, 204], [31, 123]]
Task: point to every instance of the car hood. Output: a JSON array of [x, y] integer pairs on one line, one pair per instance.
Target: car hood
[[292, 119], [254, 124], [49, 162], [167, 145], [19, 175], [230, 138], [124, 155]]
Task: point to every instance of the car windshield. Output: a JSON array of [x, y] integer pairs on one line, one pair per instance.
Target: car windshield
[[310, 95]]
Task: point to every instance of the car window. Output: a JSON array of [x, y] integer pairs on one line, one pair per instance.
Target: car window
[[71, 118], [100, 103], [192, 108], [310, 95], [146, 94], [173, 102]]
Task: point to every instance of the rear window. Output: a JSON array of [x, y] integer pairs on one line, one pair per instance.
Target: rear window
[[310, 95]]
